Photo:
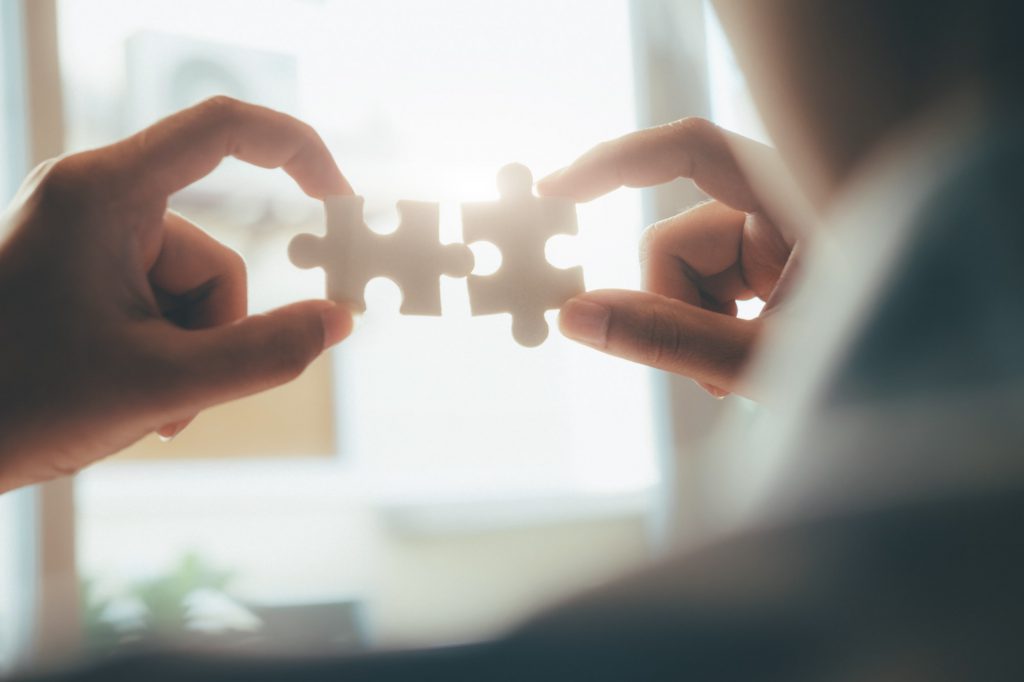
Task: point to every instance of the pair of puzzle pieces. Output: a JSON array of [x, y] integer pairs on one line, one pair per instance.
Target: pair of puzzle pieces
[[519, 224]]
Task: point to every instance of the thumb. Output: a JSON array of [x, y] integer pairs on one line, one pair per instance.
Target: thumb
[[662, 332], [260, 351]]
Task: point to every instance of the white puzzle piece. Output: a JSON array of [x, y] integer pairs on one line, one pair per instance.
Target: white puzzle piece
[[520, 224], [351, 254]]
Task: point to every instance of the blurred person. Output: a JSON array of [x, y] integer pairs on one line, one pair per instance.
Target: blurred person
[[883, 543]]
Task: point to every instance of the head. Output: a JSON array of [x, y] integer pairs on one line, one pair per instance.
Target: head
[[833, 79]]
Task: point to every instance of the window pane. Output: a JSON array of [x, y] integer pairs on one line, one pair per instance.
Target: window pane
[[9, 551], [11, 151], [14, 554], [731, 107], [451, 452]]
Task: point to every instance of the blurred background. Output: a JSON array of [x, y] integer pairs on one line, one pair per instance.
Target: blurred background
[[430, 481]]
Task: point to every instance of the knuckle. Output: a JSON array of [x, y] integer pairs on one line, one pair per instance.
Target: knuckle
[[234, 265], [605, 146], [608, 149], [309, 133], [290, 354], [63, 182], [652, 238], [660, 341], [220, 103], [62, 166], [662, 238], [308, 136], [693, 127], [40, 171], [220, 109]]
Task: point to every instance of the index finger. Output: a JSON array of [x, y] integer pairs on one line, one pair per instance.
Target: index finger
[[186, 146], [689, 148]]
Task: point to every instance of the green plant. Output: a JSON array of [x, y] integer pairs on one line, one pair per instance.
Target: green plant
[[163, 599]]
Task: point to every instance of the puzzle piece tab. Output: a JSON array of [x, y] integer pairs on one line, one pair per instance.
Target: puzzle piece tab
[[351, 254], [520, 224]]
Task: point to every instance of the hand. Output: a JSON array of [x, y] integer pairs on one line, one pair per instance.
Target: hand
[[696, 265], [119, 317]]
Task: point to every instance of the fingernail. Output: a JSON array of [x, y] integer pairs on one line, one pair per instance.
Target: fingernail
[[168, 432], [337, 322], [713, 391], [585, 321]]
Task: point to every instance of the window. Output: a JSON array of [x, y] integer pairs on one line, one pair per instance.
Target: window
[[11, 150], [731, 105], [400, 483], [12, 540], [392, 493]]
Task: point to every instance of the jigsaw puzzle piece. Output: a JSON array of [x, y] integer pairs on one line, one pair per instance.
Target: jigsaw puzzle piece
[[527, 294], [337, 251], [526, 284], [412, 256], [416, 258]]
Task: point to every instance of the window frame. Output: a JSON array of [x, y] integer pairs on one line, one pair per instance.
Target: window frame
[[673, 82], [670, 56], [47, 631]]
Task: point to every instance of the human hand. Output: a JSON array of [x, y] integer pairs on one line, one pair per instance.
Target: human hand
[[119, 317], [696, 265]]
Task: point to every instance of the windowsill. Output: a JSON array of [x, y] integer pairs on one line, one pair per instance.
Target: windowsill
[[452, 515], [437, 506]]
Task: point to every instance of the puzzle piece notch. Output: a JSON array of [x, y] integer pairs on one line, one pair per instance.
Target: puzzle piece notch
[[412, 256], [520, 224]]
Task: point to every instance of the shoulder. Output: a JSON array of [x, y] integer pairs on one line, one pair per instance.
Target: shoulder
[[949, 317]]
